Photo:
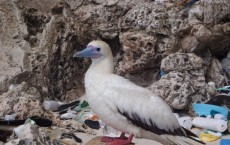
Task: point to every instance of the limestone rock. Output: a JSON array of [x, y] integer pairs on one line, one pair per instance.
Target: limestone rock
[[139, 52], [181, 62], [24, 101], [185, 81], [28, 134], [215, 73], [180, 89]]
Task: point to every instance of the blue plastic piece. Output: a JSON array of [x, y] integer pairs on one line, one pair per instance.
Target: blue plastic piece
[[162, 73], [225, 142], [208, 109]]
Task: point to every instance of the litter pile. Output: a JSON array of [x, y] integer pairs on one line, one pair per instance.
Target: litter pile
[[212, 120], [65, 121]]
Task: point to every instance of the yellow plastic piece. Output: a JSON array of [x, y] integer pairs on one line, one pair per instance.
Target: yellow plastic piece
[[208, 137]]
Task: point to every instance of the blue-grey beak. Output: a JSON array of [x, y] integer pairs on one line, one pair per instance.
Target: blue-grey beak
[[89, 51]]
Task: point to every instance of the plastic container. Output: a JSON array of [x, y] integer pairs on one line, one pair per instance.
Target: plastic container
[[208, 109], [210, 123]]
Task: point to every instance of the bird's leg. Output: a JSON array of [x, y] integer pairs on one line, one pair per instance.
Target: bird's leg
[[121, 141], [123, 135], [110, 139]]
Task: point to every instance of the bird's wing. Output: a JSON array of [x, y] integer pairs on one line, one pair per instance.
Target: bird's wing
[[141, 107]]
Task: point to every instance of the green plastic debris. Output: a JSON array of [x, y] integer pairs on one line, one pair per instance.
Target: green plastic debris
[[84, 104]]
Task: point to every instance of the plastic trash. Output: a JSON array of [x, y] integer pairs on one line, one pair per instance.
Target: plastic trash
[[185, 121], [110, 131], [10, 117], [68, 115], [208, 109], [162, 73], [224, 90], [176, 115], [84, 115], [81, 106], [92, 124], [51, 105], [225, 142], [67, 106], [210, 123], [220, 117], [18, 129], [207, 137], [42, 122], [220, 100]]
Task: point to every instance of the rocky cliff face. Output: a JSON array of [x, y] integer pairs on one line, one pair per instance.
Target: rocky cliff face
[[38, 39]]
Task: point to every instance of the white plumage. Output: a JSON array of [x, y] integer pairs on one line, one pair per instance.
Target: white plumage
[[126, 106]]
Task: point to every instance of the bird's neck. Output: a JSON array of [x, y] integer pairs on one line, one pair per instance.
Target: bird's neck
[[103, 66]]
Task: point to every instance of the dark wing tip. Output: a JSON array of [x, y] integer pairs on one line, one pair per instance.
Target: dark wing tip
[[135, 119], [192, 136]]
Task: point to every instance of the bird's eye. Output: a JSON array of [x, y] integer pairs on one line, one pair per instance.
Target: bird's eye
[[98, 49]]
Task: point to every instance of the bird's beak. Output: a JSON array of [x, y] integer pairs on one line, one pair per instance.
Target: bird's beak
[[87, 52]]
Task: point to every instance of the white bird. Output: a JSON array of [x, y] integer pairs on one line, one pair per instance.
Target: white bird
[[127, 107]]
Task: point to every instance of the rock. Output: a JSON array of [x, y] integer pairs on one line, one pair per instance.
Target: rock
[[74, 4], [22, 100], [28, 134], [186, 81], [145, 78], [32, 134], [189, 43], [139, 52], [181, 62], [215, 73], [180, 89]]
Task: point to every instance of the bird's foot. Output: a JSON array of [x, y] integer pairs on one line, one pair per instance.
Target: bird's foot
[[111, 139], [121, 141]]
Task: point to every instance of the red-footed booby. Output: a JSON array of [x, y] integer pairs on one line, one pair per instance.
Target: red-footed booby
[[127, 107]]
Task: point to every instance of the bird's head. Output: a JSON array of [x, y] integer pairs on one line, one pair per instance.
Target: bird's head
[[95, 50]]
